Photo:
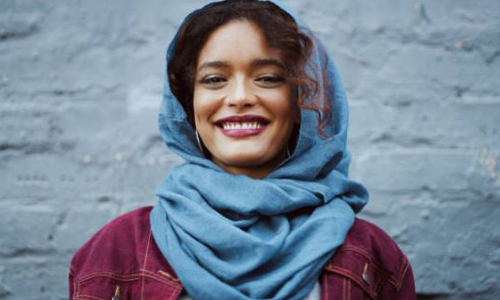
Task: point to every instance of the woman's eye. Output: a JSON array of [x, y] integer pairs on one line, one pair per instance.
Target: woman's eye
[[213, 80], [270, 80]]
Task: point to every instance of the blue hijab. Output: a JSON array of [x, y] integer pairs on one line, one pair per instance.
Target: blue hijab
[[233, 237]]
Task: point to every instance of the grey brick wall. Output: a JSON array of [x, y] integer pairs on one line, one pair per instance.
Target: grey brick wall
[[80, 84]]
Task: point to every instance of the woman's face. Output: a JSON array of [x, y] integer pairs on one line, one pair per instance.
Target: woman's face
[[243, 105]]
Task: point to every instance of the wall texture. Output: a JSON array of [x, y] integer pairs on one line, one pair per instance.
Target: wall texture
[[80, 84]]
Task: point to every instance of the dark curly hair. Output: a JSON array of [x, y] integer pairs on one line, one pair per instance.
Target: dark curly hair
[[280, 31]]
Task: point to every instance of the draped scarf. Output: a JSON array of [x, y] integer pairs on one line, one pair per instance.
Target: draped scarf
[[233, 237]]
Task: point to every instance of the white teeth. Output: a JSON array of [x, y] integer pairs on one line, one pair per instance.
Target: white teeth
[[244, 125]]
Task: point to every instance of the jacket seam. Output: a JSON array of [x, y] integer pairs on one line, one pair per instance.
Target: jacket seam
[[83, 296], [377, 267], [404, 269], [354, 277], [347, 248], [385, 274], [391, 277], [128, 277], [86, 297], [173, 296], [147, 250], [144, 264], [162, 279], [76, 284]]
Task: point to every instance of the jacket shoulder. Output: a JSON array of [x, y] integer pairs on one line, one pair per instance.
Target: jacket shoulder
[[120, 237], [124, 245], [373, 260], [123, 258], [375, 243]]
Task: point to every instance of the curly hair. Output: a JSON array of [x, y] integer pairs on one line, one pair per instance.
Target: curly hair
[[280, 31]]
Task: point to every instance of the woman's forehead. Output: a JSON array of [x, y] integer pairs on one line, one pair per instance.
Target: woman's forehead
[[237, 41]]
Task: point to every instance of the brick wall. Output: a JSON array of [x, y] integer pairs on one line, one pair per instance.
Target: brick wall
[[80, 85]]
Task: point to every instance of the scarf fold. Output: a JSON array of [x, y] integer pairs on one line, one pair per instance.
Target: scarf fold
[[233, 237]]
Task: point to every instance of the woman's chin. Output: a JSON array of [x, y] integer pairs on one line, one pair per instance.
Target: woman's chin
[[246, 163], [243, 160]]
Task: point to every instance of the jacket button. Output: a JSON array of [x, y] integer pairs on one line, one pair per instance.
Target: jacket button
[[117, 294], [365, 276], [366, 279]]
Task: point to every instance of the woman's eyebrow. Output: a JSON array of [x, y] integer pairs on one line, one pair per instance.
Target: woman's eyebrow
[[218, 64], [267, 62], [221, 64]]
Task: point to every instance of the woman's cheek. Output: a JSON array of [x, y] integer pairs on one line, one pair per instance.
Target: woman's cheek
[[203, 105]]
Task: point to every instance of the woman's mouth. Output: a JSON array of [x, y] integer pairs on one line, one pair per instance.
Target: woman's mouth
[[242, 126]]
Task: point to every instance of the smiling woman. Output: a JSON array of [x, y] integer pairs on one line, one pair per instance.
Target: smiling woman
[[244, 107], [263, 207]]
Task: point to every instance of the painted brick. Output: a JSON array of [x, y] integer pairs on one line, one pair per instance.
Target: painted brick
[[413, 169], [443, 125], [31, 236], [441, 240], [77, 224]]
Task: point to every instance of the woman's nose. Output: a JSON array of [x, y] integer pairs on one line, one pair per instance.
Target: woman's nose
[[241, 94]]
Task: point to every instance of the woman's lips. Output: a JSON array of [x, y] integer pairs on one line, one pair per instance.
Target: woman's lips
[[242, 126]]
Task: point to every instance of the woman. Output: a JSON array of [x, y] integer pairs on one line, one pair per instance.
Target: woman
[[262, 208]]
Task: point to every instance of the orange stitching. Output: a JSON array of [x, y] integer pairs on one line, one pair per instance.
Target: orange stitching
[[108, 274], [159, 277], [396, 281], [144, 264], [376, 266], [166, 274], [147, 250], [377, 269], [174, 295], [361, 251], [352, 276], [156, 278], [128, 277], [77, 288], [407, 265], [174, 284], [90, 297]]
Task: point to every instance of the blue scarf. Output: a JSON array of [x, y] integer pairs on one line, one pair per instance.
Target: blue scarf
[[233, 237]]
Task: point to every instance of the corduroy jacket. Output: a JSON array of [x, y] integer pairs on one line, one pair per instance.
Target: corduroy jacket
[[122, 260]]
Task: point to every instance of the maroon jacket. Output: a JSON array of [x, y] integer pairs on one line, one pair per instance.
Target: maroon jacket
[[123, 259]]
